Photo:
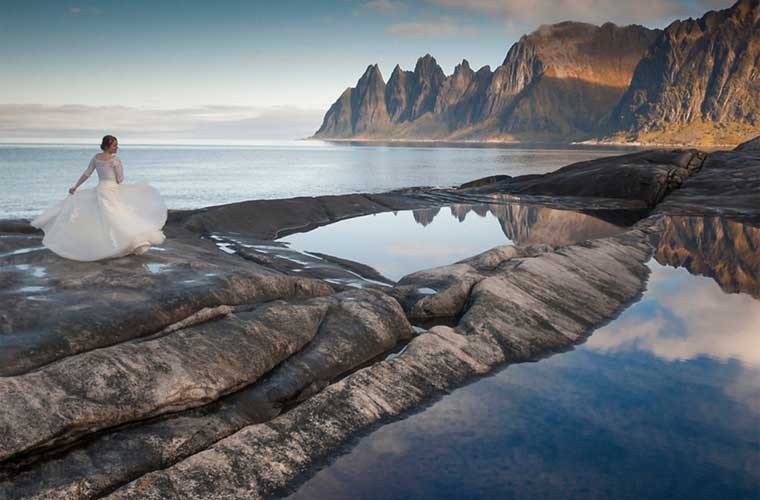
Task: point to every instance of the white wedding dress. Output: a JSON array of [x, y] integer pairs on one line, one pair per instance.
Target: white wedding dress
[[110, 220]]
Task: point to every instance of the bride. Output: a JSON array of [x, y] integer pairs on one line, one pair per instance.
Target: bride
[[111, 220]]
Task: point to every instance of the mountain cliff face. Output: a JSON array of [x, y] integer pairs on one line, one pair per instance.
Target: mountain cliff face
[[560, 80], [700, 78], [696, 82]]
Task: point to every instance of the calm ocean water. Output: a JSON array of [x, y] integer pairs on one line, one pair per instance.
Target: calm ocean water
[[34, 176]]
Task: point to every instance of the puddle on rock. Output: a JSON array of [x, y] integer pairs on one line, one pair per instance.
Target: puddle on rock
[[399, 243], [22, 251], [36, 271], [33, 289], [157, 268]]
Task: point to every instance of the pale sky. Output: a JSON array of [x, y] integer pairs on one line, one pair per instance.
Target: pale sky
[[71, 67]]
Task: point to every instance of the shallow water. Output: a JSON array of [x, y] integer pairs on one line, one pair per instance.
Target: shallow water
[[399, 243], [663, 402], [33, 176]]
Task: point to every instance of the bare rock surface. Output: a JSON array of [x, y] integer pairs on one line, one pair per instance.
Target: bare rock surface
[[51, 308], [556, 82], [581, 285], [319, 340], [646, 176], [271, 219]]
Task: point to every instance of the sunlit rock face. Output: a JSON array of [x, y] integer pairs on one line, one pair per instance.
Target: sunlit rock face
[[701, 72], [728, 252]]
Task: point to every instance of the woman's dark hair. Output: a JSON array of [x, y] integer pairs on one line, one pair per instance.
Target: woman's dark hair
[[107, 141]]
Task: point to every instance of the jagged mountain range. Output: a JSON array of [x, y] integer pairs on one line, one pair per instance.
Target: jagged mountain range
[[697, 81]]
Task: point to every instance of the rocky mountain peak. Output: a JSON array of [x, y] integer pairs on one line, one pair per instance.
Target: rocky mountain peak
[[696, 77], [746, 11], [371, 74], [463, 67]]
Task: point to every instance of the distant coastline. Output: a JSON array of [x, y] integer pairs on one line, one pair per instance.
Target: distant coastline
[[591, 143]]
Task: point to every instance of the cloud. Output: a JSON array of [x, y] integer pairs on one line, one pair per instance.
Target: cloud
[[385, 6], [440, 27], [537, 12], [201, 122], [82, 11], [685, 322]]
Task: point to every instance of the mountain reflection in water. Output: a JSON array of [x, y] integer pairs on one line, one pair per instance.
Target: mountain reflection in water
[[663, 402], [399, 243], [727, 251]]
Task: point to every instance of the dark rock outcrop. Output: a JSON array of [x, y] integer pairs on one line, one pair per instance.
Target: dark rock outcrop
[[728, 185], [645, 177], [753, 145]]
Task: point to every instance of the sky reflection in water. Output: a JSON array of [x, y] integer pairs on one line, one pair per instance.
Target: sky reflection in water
[[664, 402]]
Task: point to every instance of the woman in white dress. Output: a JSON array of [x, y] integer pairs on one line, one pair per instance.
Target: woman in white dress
[[111, 220]]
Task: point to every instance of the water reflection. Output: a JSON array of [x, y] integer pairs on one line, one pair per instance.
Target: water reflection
[[577, 425], [400, 243], [683, 316], [727, 251], [663, 402]]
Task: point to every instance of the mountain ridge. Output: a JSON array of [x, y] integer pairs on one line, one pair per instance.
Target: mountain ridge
[[574, 82]]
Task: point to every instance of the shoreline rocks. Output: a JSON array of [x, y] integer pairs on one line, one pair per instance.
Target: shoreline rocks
[[206, 369]]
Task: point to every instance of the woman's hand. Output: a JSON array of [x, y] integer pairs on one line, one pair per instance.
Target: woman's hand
[[71, 190]]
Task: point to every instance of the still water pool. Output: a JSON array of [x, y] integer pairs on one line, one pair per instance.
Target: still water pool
[[663, 402], [399, 243]]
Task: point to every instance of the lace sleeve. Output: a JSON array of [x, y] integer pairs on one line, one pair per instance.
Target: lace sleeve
[[119, 170], [90, 169]]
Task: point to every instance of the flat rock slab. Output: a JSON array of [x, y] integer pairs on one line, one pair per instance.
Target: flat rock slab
[[51, 308], [311, 343], [272, 219]]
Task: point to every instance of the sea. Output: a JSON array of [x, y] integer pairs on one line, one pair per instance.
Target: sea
[[34, 176]]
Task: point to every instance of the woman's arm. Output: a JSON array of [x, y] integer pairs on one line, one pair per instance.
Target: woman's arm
[[85, 175], [119, 170]]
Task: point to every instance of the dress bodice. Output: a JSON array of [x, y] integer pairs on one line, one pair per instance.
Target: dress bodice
[[110, 169]]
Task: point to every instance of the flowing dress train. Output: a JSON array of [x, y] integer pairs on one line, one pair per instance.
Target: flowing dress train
[[110, 220]]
